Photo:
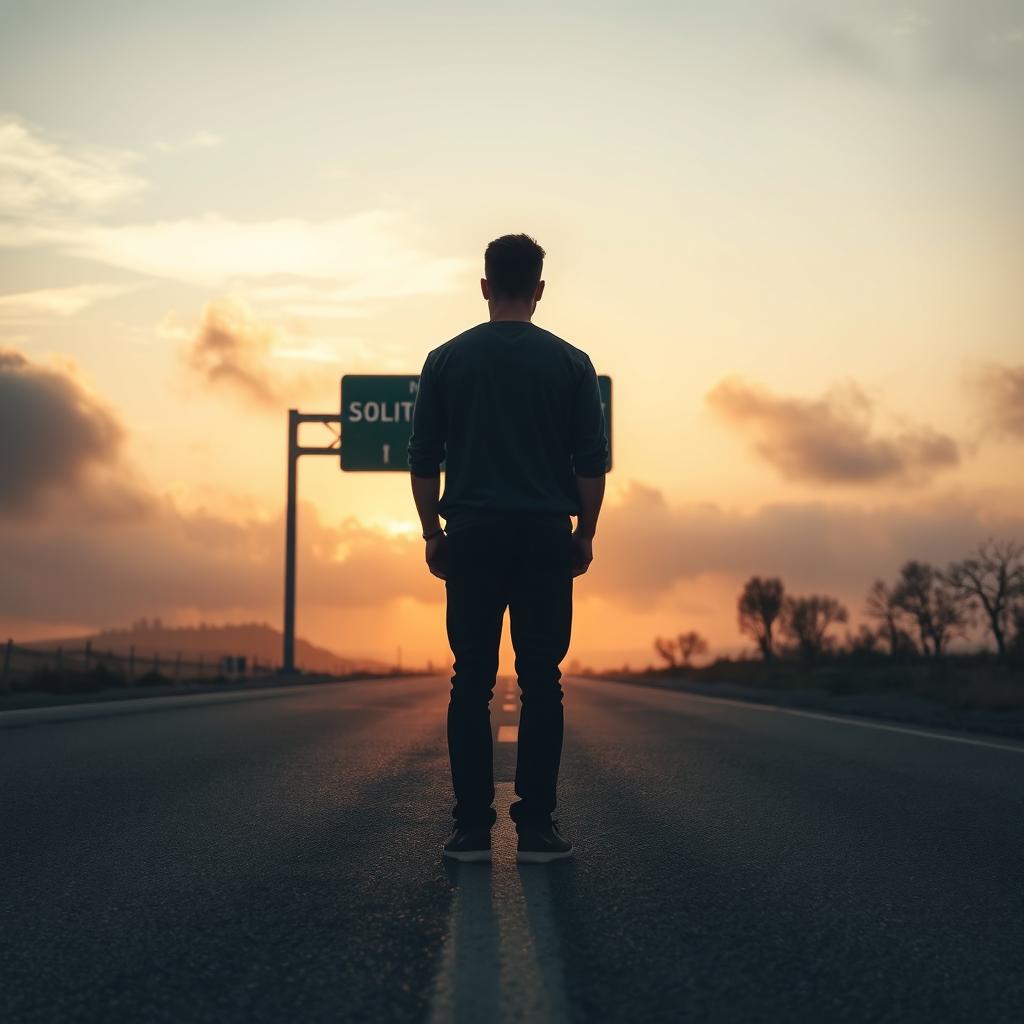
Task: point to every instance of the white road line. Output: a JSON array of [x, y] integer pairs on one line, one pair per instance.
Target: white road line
[[508, 707], [901, 728], [466, 988], [501, 960], [838, 719], [508, 733], [143, 705]]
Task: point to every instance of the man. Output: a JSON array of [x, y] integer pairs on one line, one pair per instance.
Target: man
[[515, 413]]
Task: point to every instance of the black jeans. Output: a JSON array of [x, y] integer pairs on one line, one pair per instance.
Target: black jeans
[[523, 564]]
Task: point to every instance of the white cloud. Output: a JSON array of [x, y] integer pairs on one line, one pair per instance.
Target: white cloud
[[51, 195], [59, 301], [40, 177], [972, 43], [306, 268], [311, 351], [201, 140]]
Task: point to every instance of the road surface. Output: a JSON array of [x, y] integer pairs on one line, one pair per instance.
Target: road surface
[[276, 856]]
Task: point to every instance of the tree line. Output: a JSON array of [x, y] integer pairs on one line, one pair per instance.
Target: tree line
[[918, 614]]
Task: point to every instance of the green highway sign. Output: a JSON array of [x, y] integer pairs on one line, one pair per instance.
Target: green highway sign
[[376, 420]]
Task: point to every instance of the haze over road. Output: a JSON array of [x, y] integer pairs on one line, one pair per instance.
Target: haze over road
[[276, 856]]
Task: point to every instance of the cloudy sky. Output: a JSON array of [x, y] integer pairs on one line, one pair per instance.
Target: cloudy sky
[[791, 232]]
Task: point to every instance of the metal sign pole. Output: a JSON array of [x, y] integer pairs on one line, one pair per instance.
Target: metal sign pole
[[294, 451], [288, 661], [370, 433]]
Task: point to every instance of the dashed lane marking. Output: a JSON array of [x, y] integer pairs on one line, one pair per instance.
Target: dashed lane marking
[[501, 960], [508, 733]]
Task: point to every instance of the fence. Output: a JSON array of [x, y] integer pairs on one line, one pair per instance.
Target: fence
[[63, 667]]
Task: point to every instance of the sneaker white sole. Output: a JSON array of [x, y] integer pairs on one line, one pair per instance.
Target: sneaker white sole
[[468, 856], [537, 857]]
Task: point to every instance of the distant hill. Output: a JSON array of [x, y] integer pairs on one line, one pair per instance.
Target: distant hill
[[257, 641]]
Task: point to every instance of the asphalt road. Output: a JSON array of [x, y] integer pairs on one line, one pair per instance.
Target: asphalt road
[[276, 856]]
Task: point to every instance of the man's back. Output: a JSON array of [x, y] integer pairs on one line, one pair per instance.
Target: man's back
[[516, 412]]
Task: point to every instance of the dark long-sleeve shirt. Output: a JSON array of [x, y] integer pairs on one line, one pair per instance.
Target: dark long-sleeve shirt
[[515, 414]]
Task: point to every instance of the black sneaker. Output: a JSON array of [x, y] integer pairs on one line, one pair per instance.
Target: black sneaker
[[539, 844], [469, 844]]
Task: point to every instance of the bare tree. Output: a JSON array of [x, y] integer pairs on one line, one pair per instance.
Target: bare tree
[[806, 621], [666, 648], [760, 604], [993, 578], [689, 644], [1017, 640], [881, 606], [936, 608], [864, 641]]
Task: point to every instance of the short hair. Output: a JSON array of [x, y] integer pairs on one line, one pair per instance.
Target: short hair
[[512, 266]]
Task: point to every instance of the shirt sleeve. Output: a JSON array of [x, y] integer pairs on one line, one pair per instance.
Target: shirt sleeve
[[427, 442], [590, 436]]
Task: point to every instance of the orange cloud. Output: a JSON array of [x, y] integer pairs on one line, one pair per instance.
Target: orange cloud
[[233, 352], [829, 439], [645, 546], [230, 349], [56, 434], [102, 548], [1000, 393], [178, 563]]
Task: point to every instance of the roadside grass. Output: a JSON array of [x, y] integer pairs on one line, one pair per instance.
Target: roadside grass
[[959, 682], [51, 686], [95, 680]]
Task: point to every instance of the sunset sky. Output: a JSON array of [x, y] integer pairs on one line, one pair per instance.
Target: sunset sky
[[791, 232]]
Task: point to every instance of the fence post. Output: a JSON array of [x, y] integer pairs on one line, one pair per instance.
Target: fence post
[[7, 662]]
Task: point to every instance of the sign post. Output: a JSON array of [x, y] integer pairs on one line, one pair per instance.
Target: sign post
[[371, 435], [294, 451]]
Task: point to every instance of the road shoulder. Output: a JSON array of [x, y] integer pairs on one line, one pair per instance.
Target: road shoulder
[[895, 708]]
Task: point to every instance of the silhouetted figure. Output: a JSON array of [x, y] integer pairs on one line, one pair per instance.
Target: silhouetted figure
[[515, 414]]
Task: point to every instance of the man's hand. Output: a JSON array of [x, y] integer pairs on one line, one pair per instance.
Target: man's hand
[[583, 553], [437, 550]]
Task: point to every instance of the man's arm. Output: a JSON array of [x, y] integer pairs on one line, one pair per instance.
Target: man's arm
[[590, 461], [429, 426], [591, 491], [426, 453], [426, 490]]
